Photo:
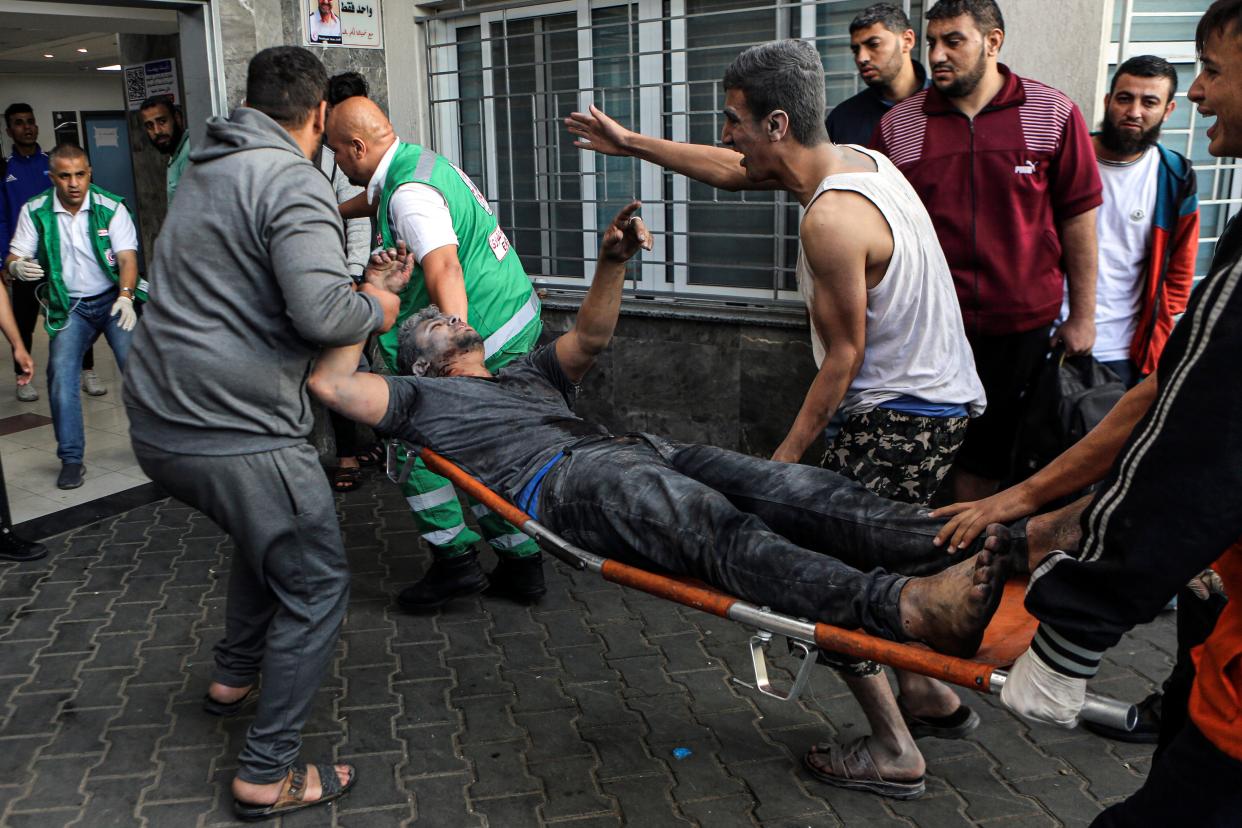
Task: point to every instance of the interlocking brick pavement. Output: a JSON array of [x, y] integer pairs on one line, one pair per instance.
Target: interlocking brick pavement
[[484, 714]]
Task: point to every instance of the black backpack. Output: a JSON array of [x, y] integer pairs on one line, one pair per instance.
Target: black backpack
[[1068, 397]]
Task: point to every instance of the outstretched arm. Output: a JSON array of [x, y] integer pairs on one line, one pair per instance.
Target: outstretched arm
[[577, 349], [718, 166], [1082, 464]]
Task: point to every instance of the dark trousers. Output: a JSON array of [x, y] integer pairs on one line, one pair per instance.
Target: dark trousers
[[288, 583], [1196, 619], [1006, 364], [802, 540], [1191, 783], [26, 314]]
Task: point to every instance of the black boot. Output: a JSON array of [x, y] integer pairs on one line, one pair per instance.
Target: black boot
[[519, 579], [448, 578], [16, 548]]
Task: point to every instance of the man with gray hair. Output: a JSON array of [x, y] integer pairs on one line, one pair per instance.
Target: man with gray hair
[[886, 331], [882, 42]]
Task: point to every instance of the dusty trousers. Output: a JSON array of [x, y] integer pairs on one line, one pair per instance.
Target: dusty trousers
[[288, 583], [802, 540]]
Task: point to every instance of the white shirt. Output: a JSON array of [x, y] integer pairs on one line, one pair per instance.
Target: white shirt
[[80, 269], [417, 213], [319, 29], [1123, 230]]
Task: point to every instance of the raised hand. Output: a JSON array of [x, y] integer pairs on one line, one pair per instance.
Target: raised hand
[[596, 131], [389, 269], [625, 235]]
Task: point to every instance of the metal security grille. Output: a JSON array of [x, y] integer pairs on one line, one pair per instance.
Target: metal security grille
[[502, 79], [1167, 28]]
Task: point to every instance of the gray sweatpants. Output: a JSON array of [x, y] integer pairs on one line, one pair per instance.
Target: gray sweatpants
[[288, 585]]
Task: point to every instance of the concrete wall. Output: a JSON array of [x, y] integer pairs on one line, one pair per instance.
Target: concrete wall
[[80, 91], [734, 380], [248, 26], [1062, 43]]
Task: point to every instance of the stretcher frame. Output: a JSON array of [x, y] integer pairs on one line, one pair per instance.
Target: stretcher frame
[[806, 637]]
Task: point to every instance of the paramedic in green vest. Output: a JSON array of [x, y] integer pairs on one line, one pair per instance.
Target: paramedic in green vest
[[83, 239], [465, 266]]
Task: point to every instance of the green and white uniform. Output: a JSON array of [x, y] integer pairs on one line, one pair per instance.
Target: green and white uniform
[[502, 307], [102, 207]]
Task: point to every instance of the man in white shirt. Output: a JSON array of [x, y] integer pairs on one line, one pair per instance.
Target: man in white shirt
[[324, 26], [82, 238], [1148, 226]]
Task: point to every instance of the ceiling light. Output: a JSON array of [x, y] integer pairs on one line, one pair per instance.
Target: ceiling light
[[83, 51], [116, 67], [46, 55]]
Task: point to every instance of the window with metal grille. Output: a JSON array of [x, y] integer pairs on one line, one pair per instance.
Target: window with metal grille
[[502, 79], [1167, 28]]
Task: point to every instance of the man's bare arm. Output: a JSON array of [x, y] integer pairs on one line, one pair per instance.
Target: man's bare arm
[[337, 383], [358, 207], [837, 253], [577, 349], [8, 326], [1081, 256], [127, 267], [1082, 464], [717, 166], [446, 284]]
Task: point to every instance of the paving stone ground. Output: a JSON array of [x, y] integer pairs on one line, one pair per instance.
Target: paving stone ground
[[485, 714]]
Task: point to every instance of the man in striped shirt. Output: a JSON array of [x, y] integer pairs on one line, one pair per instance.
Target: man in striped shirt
[[1006, 168]]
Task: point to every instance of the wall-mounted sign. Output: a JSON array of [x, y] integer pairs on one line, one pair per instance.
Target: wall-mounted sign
[[351, 23], [155, 77]]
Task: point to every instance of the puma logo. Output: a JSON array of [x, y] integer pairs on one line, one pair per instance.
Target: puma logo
[[1026, 169]]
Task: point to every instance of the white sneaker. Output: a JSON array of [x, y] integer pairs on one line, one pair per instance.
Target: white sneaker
[[91, 384], [27, 393]]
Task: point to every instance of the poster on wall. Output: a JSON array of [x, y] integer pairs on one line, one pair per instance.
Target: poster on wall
[[155, 77], [354, 24], [65, 127]]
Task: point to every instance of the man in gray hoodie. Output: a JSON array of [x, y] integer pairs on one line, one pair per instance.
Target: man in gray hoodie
[[249, 281]]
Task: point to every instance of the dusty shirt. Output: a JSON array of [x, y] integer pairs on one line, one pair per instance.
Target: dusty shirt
[[501, 429]]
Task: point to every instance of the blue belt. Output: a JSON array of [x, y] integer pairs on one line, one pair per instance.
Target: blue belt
[[528, 498]]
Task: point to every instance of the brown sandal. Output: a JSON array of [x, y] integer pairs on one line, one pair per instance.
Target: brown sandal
[[851, 766], [292, 791]]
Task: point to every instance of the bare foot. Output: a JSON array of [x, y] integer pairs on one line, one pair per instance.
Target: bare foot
[[254, 794], [950, 610], [224, 694], [347, 462], [1061, 529], [923, 696]]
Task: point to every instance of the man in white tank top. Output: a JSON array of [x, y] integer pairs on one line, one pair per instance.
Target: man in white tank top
[[887, 334]]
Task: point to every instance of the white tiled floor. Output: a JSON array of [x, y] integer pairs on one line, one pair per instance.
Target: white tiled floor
[[30, 463]]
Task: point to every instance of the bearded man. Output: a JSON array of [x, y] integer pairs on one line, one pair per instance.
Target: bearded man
[[1148, 226]]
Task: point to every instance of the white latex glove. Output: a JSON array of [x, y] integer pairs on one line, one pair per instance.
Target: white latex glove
[[125, 307], [1035, 691], [27, 270]]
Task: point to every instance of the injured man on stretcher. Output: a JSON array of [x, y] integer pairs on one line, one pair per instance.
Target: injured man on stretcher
[[802, 540]]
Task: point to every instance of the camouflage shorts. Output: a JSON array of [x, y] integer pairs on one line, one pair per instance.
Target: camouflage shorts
[[898, 456]]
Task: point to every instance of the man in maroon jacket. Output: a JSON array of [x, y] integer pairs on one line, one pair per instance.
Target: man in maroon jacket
[[1006, 168]]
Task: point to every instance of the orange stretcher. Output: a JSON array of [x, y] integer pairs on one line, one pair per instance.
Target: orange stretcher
[[1007, 636]]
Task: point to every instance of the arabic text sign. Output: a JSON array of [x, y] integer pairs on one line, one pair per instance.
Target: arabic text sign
[[351, 23], [155, 77]]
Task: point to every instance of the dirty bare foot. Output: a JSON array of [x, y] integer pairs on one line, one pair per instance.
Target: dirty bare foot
[[225, 694], [1061, 529], [950, 610]]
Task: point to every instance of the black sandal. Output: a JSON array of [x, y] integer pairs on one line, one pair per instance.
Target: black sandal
[[373, 455], [346, 478], [293, 788]]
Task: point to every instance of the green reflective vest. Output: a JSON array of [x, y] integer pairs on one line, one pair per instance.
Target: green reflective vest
[[503, 307], [43, 213]]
